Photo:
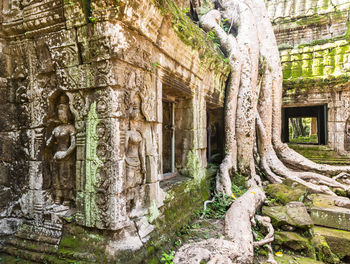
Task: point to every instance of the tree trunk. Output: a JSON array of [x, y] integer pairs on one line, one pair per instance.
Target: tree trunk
[[253, 118]]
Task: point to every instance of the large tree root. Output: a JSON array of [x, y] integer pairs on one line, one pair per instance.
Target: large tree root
[[238, 246], [253, 116]]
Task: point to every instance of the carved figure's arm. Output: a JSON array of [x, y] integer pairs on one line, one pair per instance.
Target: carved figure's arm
[[142, 156], [126, 141], [50, 140], [72, 142]]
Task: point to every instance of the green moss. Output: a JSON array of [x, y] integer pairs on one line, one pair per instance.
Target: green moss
[[323, 250], [193, 36], [91, 170], [338, 240], [284, 194], [294, 242], [287, 259], [183, 200], [153, 212], [320, 154], [193, 166]]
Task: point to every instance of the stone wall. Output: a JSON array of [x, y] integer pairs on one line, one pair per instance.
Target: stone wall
[[298, 21], [314, 47], [81, 91]]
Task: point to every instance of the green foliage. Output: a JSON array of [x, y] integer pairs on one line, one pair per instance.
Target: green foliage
[[191, 35], [92, 19], [310, 139], [155, 64], [186, 10], [212, 35], [224, 25], [217, 209], [239, 186], [168, 258]]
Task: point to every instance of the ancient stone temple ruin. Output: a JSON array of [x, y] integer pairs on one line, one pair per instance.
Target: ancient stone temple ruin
[[313, 38], [102, 102], [112, 112]]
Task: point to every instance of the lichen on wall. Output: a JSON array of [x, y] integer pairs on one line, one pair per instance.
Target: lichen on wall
[[92, 164]]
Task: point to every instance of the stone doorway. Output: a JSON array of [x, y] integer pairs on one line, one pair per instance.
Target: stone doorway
[[316, 116], [168, 138], [215, 135]]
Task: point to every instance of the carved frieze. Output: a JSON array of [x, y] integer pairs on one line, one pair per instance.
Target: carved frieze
[[32, 17]]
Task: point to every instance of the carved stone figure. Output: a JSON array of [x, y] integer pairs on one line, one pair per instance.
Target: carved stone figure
[[347, 135], [134, 144], [62, 170]]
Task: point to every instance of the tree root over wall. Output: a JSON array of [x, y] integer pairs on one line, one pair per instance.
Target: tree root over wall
[[253, 133]]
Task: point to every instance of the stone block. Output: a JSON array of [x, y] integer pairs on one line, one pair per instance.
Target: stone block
[[6, 197], [118, 212], [80, 175], [8, 148], [5, 174], [151, 169], [323, 251], [8, 226], [154, 194], [285, 194], [127, 239], [294, 241], [338, 240], [144, 229], [8, 119], [294, 214], [336, 217]]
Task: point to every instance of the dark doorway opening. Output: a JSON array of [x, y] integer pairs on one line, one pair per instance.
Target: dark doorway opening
[[215, 135], [313, 118]]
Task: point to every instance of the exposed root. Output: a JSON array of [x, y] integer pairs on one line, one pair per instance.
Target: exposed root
[[294, 159], [205, 206], [239, 249], [223, 180], [266, 222]]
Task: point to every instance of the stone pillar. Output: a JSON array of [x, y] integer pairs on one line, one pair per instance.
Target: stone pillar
[[313, 129]]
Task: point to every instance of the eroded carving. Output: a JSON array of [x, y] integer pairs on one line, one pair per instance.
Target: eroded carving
[[62, 141], [134, 143]]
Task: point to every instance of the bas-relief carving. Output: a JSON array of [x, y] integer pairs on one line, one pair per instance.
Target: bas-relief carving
[[149, 99], [62, 143], [134, 143], [347, 135]]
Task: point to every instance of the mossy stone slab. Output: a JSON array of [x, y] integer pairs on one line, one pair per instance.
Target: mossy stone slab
[[293, 214], [294, 241], [338, 240], [287, 259], [283, 193], [335, 217], [323, 251]]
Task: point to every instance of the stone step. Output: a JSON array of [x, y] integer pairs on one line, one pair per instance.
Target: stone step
[[325, 212], [288, 259], [42, 234], [37, 253], [338, 240], [32, 256], [31, 245]]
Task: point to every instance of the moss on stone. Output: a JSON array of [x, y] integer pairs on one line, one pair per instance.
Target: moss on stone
[[191, 35], [323, 250], [288, 259], [338, 240], [285, 194], [295, 242], [183, 200]]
